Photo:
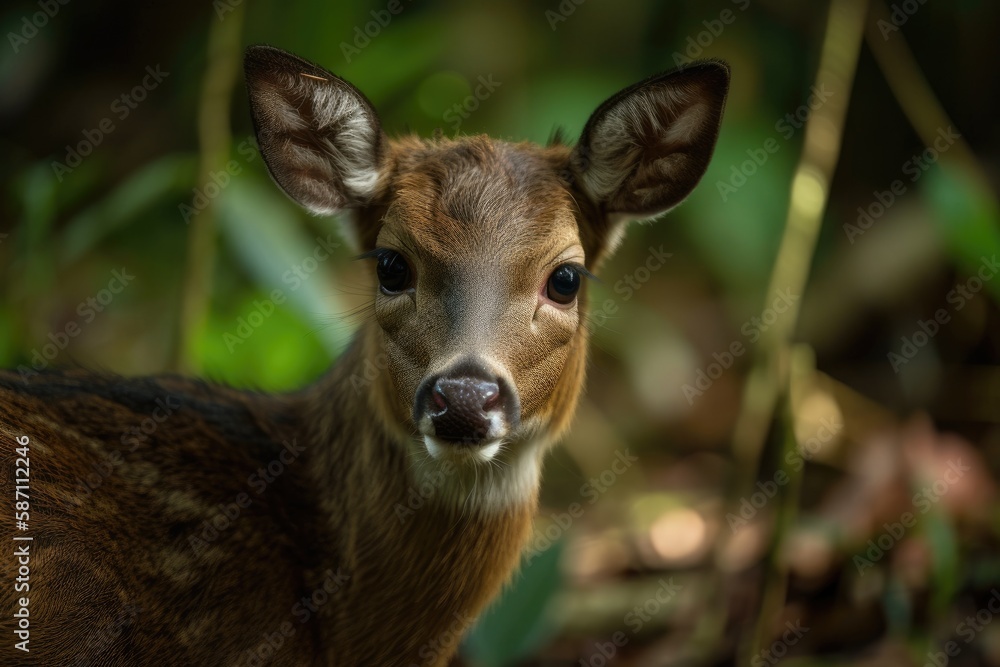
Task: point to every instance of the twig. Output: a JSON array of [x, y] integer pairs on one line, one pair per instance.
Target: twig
[[770, 379], [801, 378], [916, 99], [214, 138], [810, 191]]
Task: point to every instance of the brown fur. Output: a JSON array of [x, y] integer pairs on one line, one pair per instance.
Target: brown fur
[[125, 572]]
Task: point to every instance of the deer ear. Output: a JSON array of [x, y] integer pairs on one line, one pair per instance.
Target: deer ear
[[644, 149], [320, 137]]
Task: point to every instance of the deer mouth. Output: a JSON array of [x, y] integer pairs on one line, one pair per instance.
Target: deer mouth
[[482, 451], [467, 407], [456, 430]]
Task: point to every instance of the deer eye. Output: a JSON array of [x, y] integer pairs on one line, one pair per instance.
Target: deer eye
[[394, 273], [563, 284]]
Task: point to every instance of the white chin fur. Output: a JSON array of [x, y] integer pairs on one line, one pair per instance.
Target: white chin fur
[[489, 478], [439, 450]]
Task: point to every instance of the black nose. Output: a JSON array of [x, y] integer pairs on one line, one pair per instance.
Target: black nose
[[465, 403], [462, 407]]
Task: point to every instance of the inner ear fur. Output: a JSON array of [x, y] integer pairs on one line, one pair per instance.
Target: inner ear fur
[[645, 149], [320, 137]]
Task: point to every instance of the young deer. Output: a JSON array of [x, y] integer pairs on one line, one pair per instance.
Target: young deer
[[181, 523]]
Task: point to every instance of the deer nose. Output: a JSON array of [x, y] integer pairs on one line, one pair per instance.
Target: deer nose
[[462, 408], [468, 406]]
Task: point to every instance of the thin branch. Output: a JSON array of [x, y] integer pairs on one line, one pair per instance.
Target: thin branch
[[770, 379], [802, 377], [214, 138], [810, 191], [915, 96]]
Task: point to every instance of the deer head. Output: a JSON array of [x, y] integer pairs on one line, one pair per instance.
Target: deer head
[[482, 249]]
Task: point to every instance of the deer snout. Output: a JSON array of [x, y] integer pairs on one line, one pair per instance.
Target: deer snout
[[462, 407], [467, 406]]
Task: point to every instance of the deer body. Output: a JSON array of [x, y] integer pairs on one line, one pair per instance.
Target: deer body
[[177, 522], [110, 588]]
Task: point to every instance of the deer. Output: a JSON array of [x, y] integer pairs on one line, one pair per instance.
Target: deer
[[179, 522]]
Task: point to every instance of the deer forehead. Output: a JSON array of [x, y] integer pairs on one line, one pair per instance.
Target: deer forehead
[[479, 202]]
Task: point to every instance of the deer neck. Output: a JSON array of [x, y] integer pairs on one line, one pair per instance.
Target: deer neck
[[425, 545]]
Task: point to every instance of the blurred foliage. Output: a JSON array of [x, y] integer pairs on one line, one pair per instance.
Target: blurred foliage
[[63, 233], [517, 624]]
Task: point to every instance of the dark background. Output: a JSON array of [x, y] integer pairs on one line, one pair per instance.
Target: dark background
[[894, 432]]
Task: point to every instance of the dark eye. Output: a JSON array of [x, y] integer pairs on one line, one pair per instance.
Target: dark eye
[[393, 272], [563, 284]]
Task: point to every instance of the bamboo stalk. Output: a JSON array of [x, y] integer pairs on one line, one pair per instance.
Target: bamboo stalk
[[215, 139], [770, 379], [810, 192], [801, 377]]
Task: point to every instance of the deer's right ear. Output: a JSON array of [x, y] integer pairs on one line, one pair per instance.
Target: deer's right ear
[[645, 149], [320, 137]]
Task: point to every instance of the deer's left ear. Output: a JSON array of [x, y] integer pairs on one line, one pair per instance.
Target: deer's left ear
[[320, 137], [645, 149]]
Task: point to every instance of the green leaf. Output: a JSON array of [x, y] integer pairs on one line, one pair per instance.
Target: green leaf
[[36, 189], [39, 202], [266, 237], [125, 204], [742, 199], [967, 217], [898, 607], [278, 355], [945, 560], [563, 100], [516, 624], [380, 71]]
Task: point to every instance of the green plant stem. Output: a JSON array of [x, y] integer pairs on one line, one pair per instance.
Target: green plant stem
[[769, 380], [916, 98], [214, 138]]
